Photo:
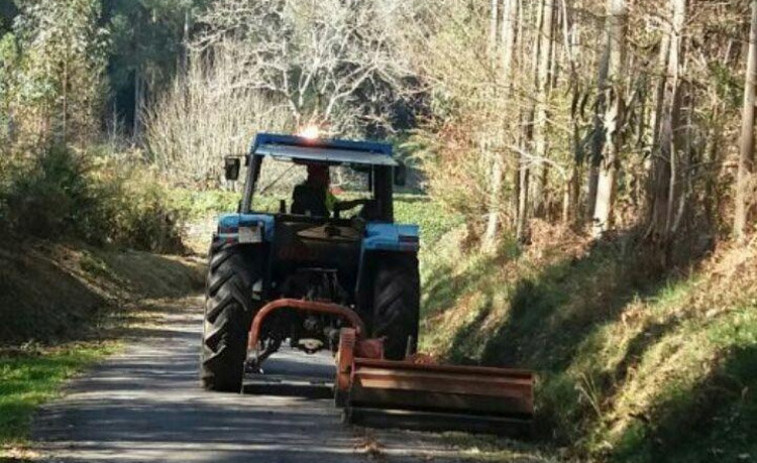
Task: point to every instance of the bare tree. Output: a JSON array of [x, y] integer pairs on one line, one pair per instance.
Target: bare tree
[[202, 118], [325, 60], [746, 158], [613, 118]]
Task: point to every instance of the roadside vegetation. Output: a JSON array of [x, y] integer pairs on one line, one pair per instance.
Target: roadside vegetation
[[32, 375], [635, 362], [64, 307], [586, 199]]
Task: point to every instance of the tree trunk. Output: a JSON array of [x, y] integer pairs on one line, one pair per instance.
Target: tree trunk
[[606, 184], [599, 131], [493, 158], [509, 22], [137, 105], [493, 27], [541, 113], [495, 206], [666, 172], [65, 97], [746, 157], [521, 232], [508, 36], [526, 141]]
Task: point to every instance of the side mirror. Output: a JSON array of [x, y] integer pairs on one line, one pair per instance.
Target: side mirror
[[400, 174], [232, 165]]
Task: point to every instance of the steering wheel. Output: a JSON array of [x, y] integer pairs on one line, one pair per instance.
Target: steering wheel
[[347, 205]]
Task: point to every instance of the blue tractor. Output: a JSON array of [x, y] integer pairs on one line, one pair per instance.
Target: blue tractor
[[324, 263]]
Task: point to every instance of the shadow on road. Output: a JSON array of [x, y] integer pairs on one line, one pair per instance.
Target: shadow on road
[[146, 405]]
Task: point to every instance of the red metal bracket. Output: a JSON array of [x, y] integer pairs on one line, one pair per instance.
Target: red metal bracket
[[306, 306]]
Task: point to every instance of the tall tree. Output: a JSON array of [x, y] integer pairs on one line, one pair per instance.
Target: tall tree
[[746, 157], [668, 149], [543, 84], [506, 34], [492, 157], [148, 39], [613, 117], [64, 57]]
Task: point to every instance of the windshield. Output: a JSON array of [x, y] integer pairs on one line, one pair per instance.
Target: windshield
[[293, 184]]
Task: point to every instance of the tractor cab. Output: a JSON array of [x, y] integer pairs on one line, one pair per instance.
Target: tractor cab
[[319, 197], [316, 223], [305, 165]]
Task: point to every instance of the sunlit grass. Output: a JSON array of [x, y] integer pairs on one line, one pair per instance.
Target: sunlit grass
[[626, 359], [30, 377], [417, 209]]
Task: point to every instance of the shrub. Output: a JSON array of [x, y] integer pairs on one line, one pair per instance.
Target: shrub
[[91, 196]]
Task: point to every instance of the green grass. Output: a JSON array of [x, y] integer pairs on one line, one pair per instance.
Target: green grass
[[29, 378], [433, 219], [197, 205], [634, 364]]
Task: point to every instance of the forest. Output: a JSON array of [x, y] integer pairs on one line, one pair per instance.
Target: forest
[[583, 172]]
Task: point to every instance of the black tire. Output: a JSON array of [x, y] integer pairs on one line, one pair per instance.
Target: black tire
[[229, 308], [396, 304]]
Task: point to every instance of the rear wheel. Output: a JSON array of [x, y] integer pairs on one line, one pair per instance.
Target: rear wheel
[[396, 304], [229, 308]]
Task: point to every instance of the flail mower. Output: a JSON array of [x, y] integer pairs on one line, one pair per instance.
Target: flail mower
[[339, 275]]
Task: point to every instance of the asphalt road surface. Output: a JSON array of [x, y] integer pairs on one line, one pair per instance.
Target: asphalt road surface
[[145, 405]]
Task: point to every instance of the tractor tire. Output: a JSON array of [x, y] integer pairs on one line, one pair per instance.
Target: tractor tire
[[396, 304], [229, 308]]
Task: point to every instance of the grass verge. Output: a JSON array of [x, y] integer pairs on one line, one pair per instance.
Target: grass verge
[[636, 363], [32, 376], [62, 308]]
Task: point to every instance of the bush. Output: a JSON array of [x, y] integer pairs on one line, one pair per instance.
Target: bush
[[48, 196], [93, 196]]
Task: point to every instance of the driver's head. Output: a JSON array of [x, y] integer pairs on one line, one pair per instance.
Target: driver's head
[[318, 175]]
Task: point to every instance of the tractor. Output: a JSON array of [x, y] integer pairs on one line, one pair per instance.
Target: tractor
[[323, 272], [353, 255]]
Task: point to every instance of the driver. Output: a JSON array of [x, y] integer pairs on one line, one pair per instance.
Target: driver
[[313, 197]]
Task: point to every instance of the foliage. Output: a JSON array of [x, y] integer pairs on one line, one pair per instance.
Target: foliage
[[91, 197], [148, 48], [59, 78], [433, 219], [627, 353]]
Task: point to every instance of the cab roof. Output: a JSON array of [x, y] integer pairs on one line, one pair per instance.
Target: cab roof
[[294, 148]]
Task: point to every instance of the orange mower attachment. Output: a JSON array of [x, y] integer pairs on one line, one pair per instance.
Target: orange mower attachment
[[417, 394]]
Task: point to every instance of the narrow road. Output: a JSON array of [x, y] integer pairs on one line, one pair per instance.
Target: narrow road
[[145, 405]]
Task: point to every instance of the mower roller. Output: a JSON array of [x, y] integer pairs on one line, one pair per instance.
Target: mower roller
[[339, 275]]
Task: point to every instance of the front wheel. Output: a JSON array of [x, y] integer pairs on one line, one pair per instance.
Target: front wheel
[[396, 304]]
